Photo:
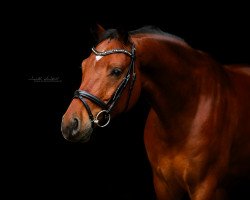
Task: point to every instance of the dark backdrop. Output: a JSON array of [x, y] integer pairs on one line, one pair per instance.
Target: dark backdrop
[[51, 41]]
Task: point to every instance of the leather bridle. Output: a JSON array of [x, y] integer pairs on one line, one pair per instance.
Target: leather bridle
[[102, 118]]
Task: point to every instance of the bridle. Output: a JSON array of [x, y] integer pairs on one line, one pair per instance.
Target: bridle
[[102, 118]]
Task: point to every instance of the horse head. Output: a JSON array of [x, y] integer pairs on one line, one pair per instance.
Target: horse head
[[109, 86]]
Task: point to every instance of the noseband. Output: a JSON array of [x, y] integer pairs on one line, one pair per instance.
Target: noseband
[[104, 114]]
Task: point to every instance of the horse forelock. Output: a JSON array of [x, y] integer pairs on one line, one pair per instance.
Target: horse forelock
[[121, 35]]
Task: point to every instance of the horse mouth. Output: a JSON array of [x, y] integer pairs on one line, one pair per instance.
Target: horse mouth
[[85, 137], [78, 136]]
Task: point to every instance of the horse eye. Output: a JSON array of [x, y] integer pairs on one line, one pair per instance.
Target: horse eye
[[116, 72]]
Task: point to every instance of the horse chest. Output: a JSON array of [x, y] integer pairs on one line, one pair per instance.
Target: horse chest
[[170, 162], [173, 167]]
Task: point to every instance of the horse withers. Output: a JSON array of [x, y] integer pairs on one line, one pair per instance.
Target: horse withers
[[197, 132]]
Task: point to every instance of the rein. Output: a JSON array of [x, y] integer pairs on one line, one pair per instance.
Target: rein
[[102, 118]]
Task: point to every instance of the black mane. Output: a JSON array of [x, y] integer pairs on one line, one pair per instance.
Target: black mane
[[124, 36], [153, 30], [147, 29]]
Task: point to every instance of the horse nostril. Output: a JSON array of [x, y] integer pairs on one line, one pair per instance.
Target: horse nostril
[[71, 128], [75, 123], [75, 126]]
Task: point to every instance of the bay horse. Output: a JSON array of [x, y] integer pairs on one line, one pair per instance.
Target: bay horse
[[197, 132]]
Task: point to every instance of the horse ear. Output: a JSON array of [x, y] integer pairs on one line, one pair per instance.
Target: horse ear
[[97, 31]]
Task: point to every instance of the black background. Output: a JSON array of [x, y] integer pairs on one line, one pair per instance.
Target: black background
[[51, 40]]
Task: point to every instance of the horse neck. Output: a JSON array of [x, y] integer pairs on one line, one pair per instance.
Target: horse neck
[[177, 79]]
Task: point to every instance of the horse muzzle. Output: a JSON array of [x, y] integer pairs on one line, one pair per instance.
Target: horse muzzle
[[73, 130]]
